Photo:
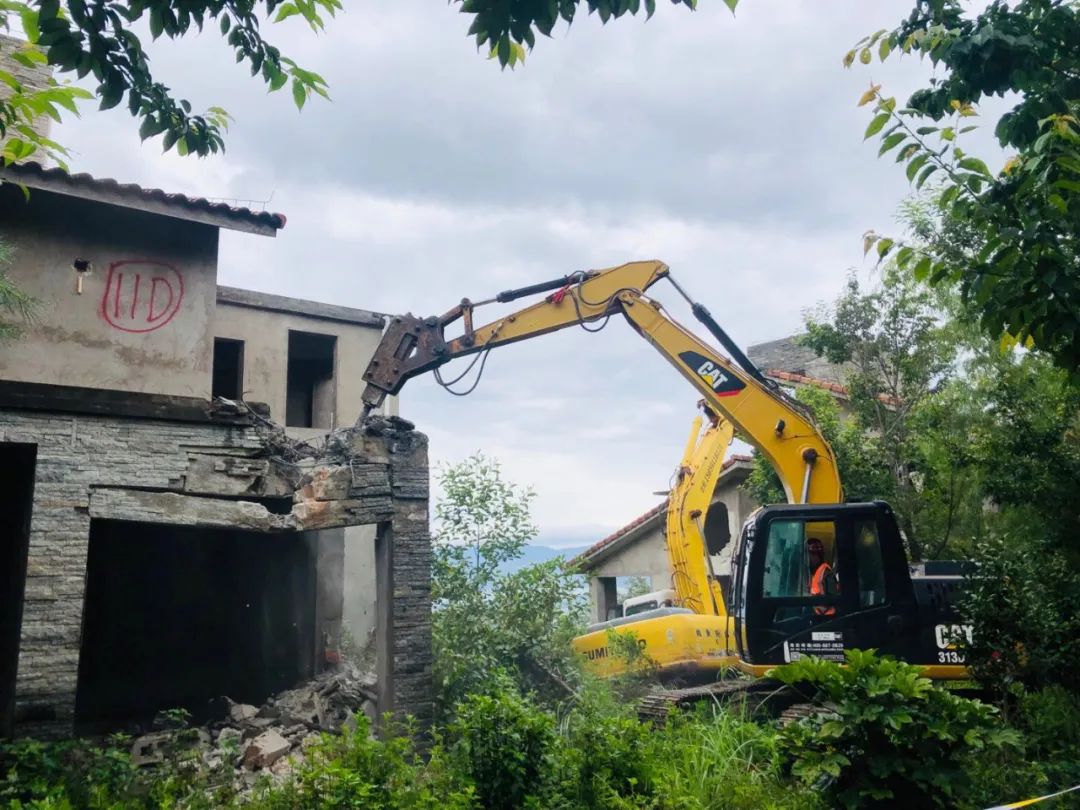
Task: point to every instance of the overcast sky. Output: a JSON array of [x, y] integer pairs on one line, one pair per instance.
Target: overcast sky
[[730, 148]]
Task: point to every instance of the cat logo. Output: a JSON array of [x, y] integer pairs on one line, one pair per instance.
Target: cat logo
[[721, 382]]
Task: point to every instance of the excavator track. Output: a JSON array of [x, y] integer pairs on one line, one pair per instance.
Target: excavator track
[[756, 696]]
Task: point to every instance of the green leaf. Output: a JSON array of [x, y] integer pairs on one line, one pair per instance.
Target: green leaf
[[891, 141], [929, 170], [157, 22], [731, 4], [226, 22], [884, 245], [876, 125], [916, 164], [922, 268], [299, 93], [278, 79], [29, 18], [975, 165], [865, 56], [285, 11]]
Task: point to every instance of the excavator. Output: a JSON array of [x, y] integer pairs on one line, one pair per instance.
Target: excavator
[[767, 614]]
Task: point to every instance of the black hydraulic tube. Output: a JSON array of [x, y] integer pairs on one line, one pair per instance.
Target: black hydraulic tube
[[543, 286], [717, 331]]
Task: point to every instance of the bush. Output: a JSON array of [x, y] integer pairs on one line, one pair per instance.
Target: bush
[[885, 733], [502, 745], [1022, 605], [356, 770], [604, 758]]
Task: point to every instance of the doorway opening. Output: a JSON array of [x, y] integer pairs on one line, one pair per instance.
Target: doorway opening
[[17, 465], [179, 617]]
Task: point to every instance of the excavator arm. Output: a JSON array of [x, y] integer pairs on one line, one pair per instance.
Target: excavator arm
[[688, 528], [774, 423]]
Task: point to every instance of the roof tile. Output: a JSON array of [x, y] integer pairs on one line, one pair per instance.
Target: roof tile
[[28, 171]]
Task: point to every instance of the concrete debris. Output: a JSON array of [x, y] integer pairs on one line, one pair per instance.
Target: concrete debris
[[270, 739], [265, 750], [239, 712]]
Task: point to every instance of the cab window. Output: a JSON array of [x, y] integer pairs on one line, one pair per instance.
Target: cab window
[[869, 564], [787, 561]]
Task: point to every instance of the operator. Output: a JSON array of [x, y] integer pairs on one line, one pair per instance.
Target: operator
[[823, 578]]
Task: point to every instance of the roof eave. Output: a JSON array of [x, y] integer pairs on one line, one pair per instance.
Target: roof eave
[[71, 187]]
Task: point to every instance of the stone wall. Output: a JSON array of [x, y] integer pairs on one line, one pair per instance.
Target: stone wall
[[199, 474]]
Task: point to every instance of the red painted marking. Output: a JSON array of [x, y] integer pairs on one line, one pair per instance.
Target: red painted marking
[[154, 315], [141, 313], [135, 297]]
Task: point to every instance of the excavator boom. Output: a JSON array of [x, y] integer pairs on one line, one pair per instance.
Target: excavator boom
[[777, 425]]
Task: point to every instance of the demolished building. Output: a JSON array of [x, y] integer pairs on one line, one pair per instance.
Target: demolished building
[[168, 540]]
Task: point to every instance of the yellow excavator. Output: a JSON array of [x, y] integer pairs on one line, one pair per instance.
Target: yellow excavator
[[770, 613]]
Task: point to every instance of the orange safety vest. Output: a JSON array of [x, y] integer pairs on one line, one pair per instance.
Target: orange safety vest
[[817, 588]]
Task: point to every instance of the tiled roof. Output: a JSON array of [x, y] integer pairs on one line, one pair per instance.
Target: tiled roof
[[836, 388], [642, 519], [788, 354], [154, 200], [777, 374]]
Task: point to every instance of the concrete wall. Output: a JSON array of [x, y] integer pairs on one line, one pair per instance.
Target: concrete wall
[[143, 320], [644, 556], [266, 354], [265, 333]]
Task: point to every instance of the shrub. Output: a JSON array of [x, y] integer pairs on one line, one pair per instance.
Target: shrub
[[1022, 605], [885, 732], [356, 770], [502, 743], [604, 759]]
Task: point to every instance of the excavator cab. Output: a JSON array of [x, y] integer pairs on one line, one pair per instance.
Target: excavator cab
[[820, 579]]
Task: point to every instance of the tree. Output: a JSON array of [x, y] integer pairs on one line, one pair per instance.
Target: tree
[[487, 624], [95, 37], [900, 349], [86, 37], [904, 440], [1025, 217]]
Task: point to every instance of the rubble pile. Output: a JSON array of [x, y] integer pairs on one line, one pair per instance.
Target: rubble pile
[[252, 741]]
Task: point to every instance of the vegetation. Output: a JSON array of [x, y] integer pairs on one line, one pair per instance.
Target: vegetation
[[1024, 215], [886, 734], [16, 307], [881, 734], [489, 625]]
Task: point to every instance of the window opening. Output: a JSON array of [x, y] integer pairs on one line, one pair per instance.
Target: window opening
[[310, 383], [228, 374]]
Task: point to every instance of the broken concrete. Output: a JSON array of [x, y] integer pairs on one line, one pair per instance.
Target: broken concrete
[[274, 738], [265, 750]]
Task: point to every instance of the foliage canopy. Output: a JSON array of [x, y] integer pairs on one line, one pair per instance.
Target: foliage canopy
[[1025, 215]]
